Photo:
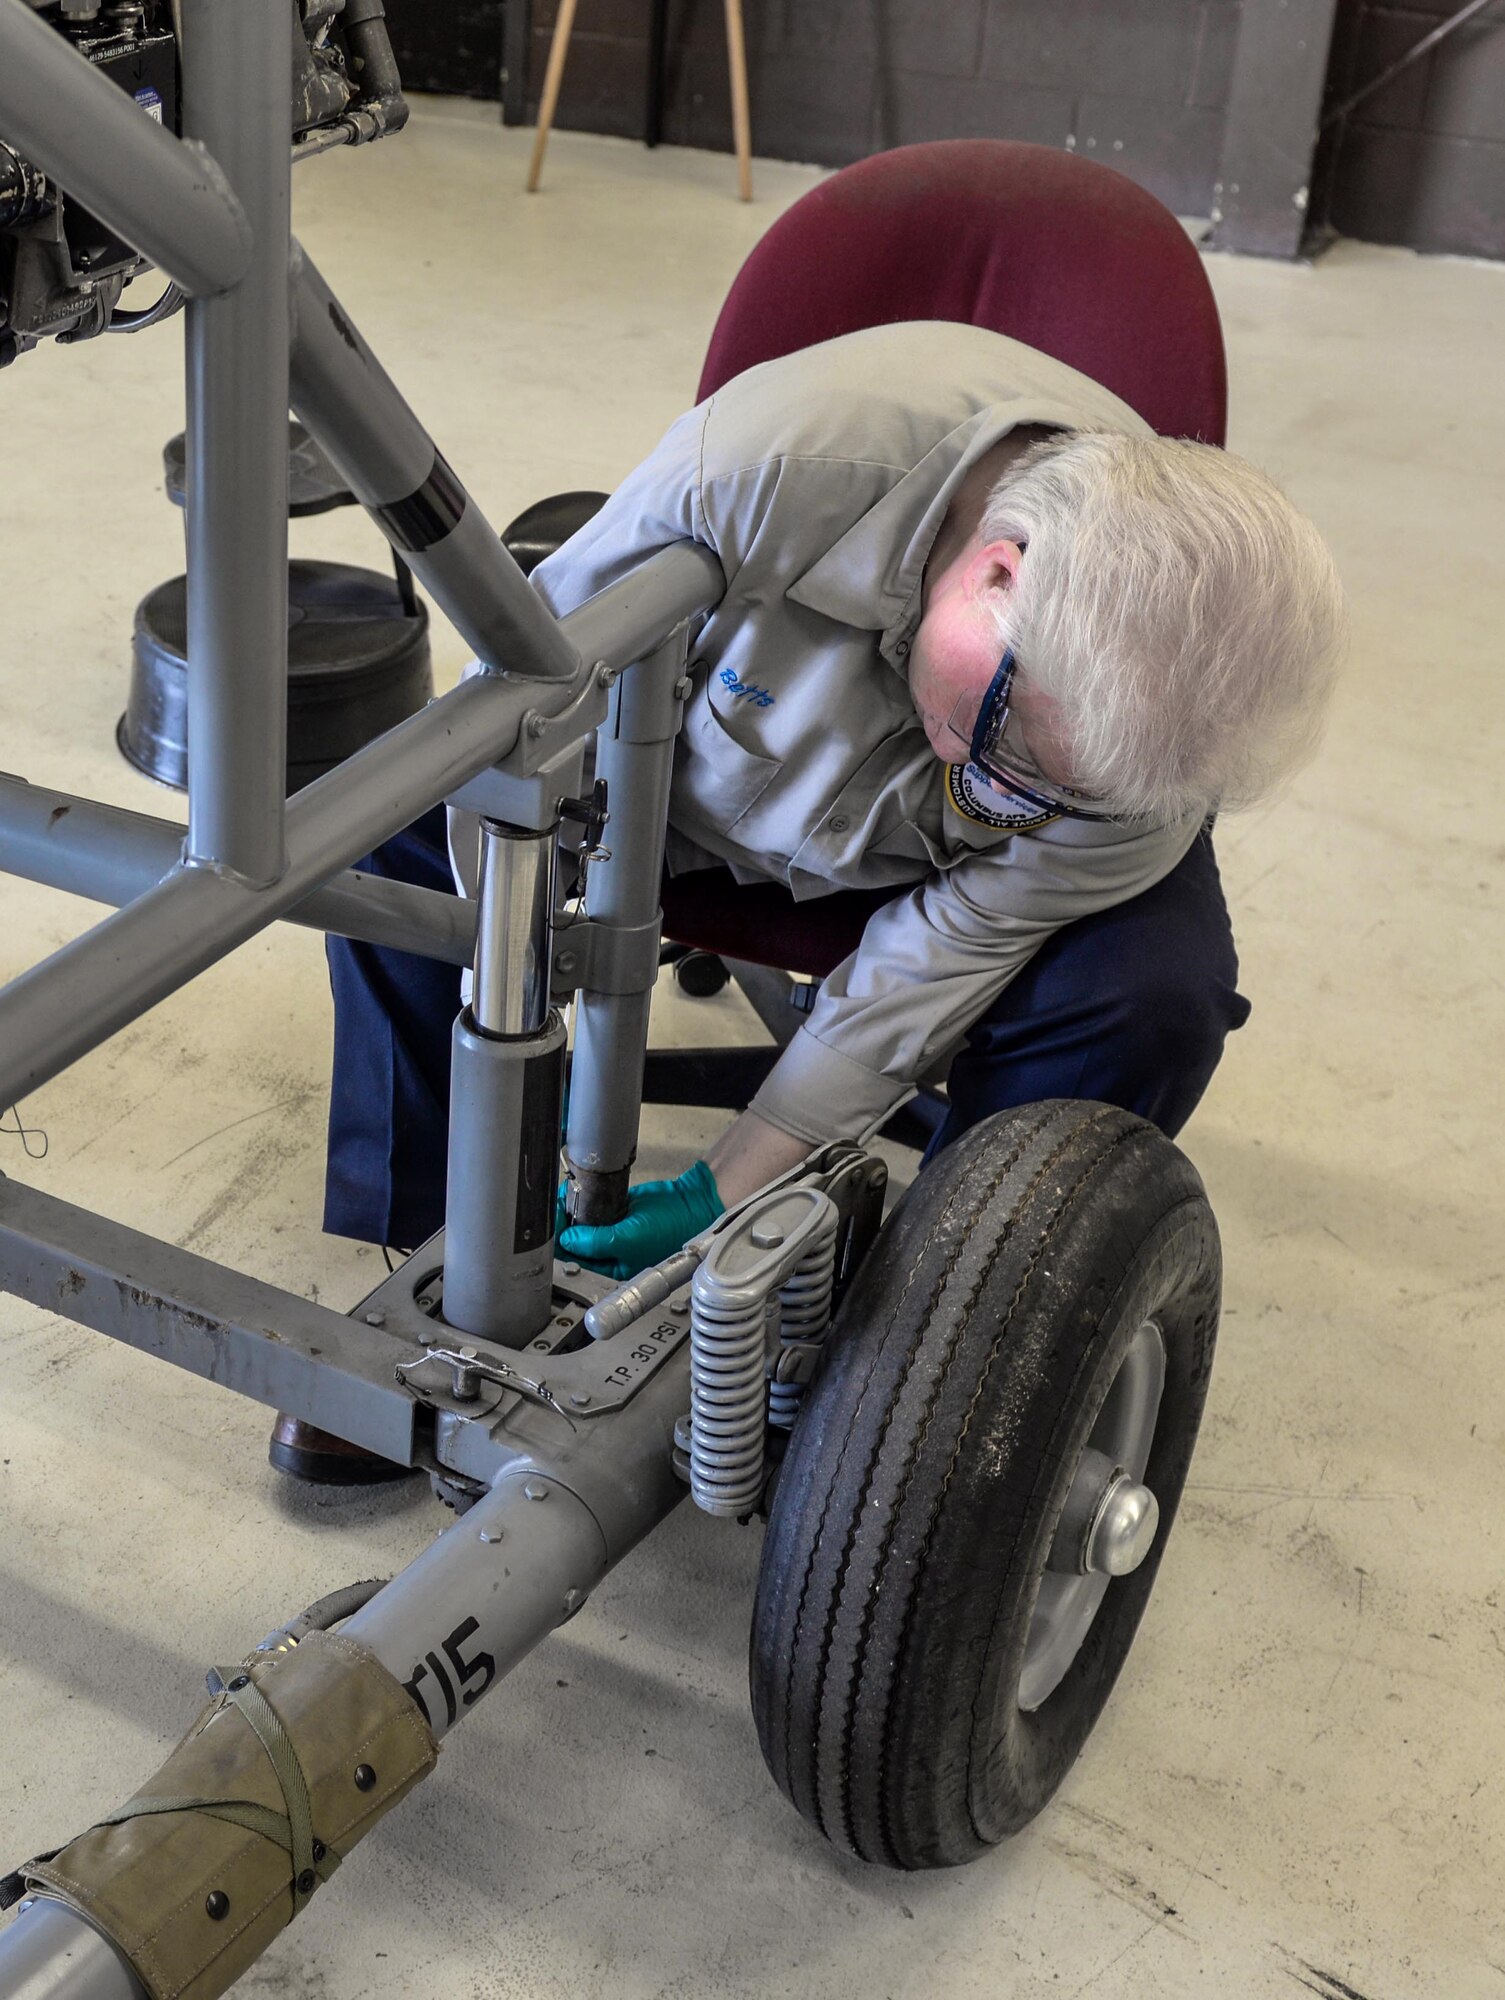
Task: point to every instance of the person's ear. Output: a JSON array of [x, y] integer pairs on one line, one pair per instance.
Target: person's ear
[[995, 566]]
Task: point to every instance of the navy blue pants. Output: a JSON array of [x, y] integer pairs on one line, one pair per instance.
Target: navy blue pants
[[1130, 1007]]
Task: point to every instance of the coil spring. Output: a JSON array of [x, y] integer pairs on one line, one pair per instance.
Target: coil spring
[[727, 1392], [804, 1315]]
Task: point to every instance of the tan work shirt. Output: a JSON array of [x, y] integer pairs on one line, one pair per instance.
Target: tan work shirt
[[820, 480]]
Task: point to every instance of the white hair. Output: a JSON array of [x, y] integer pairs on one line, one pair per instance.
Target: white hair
[[1186, 619]]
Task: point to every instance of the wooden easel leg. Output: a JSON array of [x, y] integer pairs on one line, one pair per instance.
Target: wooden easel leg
[[553, 77], [736, 46]]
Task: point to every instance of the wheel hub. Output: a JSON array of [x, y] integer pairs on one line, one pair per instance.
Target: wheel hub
[[1124, 1528], [1108, 1524]]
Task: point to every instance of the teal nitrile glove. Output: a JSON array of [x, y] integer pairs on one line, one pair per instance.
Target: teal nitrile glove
[[661, 1217]]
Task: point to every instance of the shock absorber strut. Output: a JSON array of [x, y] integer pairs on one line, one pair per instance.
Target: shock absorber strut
[[506, 1085]]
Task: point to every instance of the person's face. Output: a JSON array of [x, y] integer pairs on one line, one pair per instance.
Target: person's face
[[954, 655]]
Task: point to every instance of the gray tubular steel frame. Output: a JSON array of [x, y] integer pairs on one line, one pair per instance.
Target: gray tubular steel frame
[[567, 1456]]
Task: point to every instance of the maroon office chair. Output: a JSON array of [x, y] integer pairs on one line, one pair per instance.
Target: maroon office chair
[[1049, 248]]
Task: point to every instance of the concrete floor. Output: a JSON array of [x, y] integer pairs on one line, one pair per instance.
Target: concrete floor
[[1299, 1782]]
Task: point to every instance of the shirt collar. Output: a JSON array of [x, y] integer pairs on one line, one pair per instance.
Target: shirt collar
[[871, 576]]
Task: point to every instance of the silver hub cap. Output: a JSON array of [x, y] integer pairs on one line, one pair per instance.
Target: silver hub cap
[[1108, 1524]]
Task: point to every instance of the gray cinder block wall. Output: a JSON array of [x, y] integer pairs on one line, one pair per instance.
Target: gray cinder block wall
[[1422, 161], [1139, 83], [1143, 84]]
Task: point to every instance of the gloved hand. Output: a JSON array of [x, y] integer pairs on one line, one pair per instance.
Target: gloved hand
[[661, 1216]]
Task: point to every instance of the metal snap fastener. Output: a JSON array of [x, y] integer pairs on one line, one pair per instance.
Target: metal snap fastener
[[320, 1850], [307, 1882], [365, 1777], [216, 1904], [240, 1681], [902, 648]]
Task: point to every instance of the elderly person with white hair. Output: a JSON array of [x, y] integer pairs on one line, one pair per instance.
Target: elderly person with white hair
[[988, 644]]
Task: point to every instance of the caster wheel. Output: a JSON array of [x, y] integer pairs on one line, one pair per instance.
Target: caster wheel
[[978, 1489], [700, 974]]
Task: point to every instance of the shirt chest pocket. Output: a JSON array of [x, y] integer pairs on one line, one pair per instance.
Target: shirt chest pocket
[[721, 776]]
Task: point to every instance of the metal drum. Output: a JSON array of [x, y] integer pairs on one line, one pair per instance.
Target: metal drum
[[358, 662]]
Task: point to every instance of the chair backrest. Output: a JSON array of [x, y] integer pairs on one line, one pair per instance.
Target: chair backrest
[[1052, 249]]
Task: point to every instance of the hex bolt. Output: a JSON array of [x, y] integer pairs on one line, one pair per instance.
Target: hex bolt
[[565, 961], [536, 1490], [683, 687], [537, 723], [579, 1398], [216, 1904], [490, 1535], [572, 1601], [570, 1270], [679, 1307], [465, 1378], [377, 1318], [605, 677], [766, 1236], [365, 1777]]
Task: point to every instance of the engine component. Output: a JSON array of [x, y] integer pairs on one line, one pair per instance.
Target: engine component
[[62, 271]]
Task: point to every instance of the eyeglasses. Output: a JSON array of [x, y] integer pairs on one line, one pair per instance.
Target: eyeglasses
[[1002, 757]]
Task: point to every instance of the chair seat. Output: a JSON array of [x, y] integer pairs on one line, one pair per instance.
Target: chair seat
[[763, 924]]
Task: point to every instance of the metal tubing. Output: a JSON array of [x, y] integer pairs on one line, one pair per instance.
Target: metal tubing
[[50, 1952], [514, 915], [356, 412], [235, 98], [480, 1598], [634, 753], [112, 856], [502, 1172], [92, 987], [233, 1329], [167, 197]]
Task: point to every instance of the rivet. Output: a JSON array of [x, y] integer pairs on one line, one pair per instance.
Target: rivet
[[376, 1319], [240, 1681], [536, 1490], [365, 1777], [216, 1904], [542, 1347], [319, 1850], [307, 1882]]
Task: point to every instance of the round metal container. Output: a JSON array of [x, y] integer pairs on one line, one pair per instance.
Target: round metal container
[[358, 662]]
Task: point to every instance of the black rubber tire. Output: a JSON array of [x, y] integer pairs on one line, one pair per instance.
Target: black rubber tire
[[930, 1465]]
